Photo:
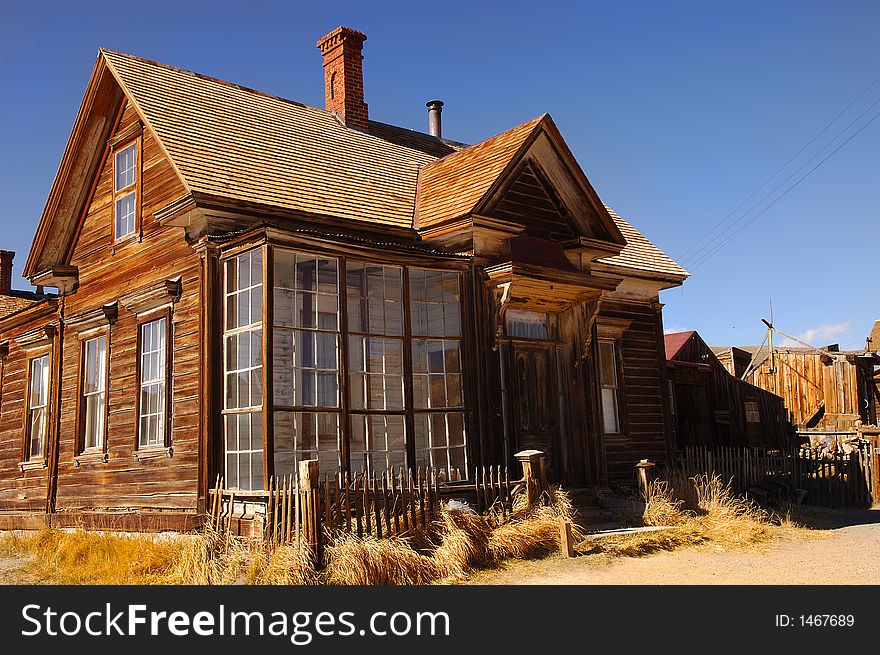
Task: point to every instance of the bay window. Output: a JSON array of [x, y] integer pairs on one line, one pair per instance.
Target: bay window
[[243, 345], [366, 370]]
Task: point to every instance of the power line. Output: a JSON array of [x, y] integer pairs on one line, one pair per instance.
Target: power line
[[780, 169], [783, 194], [703, 250]]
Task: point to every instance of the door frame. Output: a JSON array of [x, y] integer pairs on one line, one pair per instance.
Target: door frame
[[507, 348]]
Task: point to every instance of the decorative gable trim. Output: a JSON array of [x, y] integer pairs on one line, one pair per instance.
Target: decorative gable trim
[[557, 186]]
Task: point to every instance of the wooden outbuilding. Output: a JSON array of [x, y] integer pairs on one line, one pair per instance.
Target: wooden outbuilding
[[823, 388], [713, 408], [245, 282]]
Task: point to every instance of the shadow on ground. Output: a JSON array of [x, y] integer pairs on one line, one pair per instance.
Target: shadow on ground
[[824, 518]]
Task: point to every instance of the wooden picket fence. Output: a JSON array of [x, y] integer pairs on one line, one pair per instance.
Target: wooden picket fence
[[742, 467], [307, 508], [837, 479], [829, 479]]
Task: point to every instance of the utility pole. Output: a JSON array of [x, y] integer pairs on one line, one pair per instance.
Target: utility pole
[[769, 325]]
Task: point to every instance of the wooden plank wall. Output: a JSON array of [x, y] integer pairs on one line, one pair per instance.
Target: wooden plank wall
[[19, 490], [642, 393], [711, 404], [104, 276], [804, 382]]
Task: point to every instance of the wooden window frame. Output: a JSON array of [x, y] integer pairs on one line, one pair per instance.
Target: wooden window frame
[[618, 388], [136, 139], [28, 462], [4, 353], [166, 447], [344, 411], [81, 449], [266, 352]]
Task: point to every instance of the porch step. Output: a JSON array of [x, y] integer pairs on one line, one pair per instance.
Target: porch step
[[594, 515], [584, 497], [589, 508]]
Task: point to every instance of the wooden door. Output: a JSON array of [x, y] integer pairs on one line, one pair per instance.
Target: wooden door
[[533, 399]]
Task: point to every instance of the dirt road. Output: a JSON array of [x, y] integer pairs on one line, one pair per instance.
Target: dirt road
[[844, 550]]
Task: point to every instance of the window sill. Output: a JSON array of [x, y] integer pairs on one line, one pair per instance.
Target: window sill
[[616, 437], [90, 457], [154, 452], [33, 465], [134, 237]]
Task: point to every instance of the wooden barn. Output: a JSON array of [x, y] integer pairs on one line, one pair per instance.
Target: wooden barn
[[244, 282], [823, 388], [713, 408]]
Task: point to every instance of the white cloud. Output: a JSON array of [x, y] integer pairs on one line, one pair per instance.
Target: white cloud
[[819, 336], [675, 329]]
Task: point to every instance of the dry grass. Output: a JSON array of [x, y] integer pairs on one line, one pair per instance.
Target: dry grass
[[662, 507], [208, 560], [371, 561], [533, 532], [639, 544], [700, 511], [464, 543], [81, 557]]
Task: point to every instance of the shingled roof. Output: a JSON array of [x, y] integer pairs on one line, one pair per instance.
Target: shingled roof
[[452, 186], [236, 144], [17, 301], [640, 254]]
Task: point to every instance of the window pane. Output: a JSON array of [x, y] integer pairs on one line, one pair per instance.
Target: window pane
[[152, 402], [244, 451], [435, 303], [126, 160], [377, 443], [125, 211], [609, 411], [607, 364], [527, 324], [436, 373], [301, 436], [440, 443]]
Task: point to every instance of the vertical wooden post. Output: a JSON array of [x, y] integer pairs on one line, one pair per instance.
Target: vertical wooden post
[[645, 469], [533, 474], [566, 538], [309, 472]]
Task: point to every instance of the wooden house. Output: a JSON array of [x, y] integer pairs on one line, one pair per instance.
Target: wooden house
[[713, 408], [245, 282]]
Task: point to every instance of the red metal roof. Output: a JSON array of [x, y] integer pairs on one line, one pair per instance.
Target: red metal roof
[[675, 341]]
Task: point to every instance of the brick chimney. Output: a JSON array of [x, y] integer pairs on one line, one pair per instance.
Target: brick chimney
[[344, 75], [6, 257]]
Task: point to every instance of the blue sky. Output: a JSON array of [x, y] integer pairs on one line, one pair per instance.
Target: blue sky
[[677, 111]]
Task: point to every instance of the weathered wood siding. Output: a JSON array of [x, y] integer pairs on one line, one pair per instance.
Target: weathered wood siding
[[710, 404], [107, 272], [20, 490], [643, 394], [818, 394]]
